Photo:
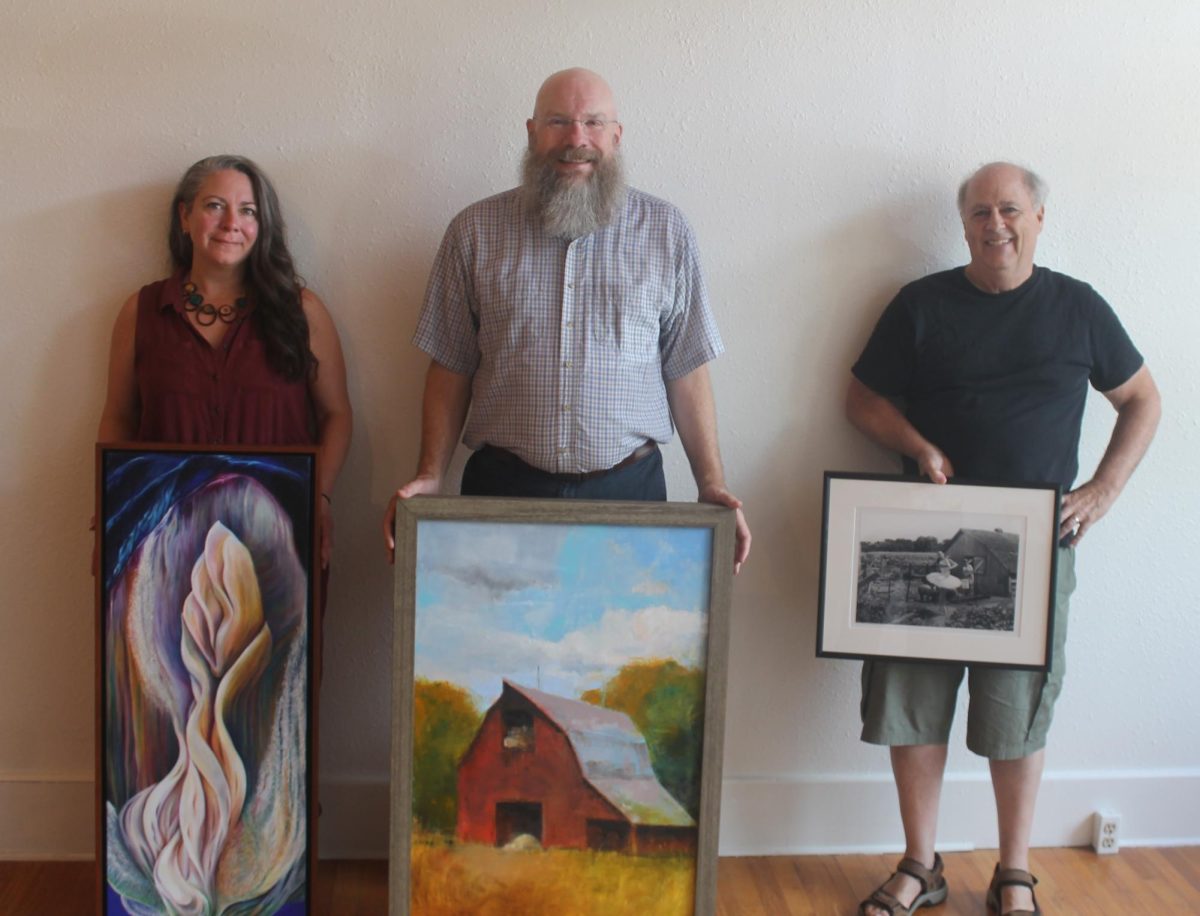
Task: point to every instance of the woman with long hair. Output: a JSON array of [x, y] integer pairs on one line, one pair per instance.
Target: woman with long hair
[[232, 348]]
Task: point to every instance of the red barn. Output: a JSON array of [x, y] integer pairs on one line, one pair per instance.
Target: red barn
[[568, 774]]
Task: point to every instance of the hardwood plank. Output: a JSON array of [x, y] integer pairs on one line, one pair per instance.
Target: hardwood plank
[[1071, 881], [1140, 880]]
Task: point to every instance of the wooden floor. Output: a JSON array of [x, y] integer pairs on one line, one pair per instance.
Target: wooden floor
[[1073, 882]]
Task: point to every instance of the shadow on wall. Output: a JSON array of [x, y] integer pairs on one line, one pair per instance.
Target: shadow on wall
[[366, 248], [853, 271], [97, 246], [859, 264]]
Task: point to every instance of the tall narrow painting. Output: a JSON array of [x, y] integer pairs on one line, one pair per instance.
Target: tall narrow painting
[[558, 706], [206, 727]]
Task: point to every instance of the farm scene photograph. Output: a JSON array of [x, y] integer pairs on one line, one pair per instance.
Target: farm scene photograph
[[938, 569], [558, 712]]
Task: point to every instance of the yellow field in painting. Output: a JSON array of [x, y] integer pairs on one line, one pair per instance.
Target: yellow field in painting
[[458, 880]]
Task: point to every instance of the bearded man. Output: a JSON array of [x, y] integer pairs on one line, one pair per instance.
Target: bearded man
[[570, 315]]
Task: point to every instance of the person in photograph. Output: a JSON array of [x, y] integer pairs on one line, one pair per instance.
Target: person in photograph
[[231, 348], [992, 363], [570, 316]]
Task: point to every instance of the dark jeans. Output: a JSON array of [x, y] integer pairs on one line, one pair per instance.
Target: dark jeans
[[496, 472]]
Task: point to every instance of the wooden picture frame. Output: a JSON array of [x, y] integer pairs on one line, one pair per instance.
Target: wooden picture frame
[[207, 591], [539, 646], [962, 572]]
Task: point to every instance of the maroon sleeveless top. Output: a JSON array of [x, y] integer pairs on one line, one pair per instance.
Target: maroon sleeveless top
[[196, 394]]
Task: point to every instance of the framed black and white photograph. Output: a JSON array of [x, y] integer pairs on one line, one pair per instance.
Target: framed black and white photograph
[[961, 572]]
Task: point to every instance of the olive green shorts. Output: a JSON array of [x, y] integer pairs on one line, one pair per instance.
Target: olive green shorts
[[1009, 711]]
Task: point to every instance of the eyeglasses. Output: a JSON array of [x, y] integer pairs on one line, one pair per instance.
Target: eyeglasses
[[590, 125]]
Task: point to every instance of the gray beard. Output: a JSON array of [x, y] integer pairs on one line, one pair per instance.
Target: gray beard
[[570, 210]]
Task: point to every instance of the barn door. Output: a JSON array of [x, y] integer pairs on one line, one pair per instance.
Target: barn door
[[516, 818]]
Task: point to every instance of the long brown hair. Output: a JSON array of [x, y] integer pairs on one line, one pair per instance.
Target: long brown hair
[[271, 279]]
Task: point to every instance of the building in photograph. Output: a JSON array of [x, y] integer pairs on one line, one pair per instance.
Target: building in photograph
[[993, 557]]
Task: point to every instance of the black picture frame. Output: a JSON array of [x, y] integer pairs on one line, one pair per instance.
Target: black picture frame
[[891, 546]]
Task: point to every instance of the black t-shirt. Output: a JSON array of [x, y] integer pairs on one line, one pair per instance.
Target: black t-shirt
[[998, 381]]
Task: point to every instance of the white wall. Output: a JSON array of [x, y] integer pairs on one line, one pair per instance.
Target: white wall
[[814, 145]]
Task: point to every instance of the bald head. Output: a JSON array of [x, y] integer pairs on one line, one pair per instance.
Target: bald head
[[567, 90], [1034, 184]]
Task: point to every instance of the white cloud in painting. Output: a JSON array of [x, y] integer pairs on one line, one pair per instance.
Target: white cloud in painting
[[651, 587], [620, 635], [461, 651]]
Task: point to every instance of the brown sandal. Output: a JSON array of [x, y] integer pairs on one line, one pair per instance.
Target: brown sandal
[[1003, 877], [933, 889]]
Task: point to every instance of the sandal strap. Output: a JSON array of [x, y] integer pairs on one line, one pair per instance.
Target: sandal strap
[[881, 899], [1018, 877], [1014, 876], [928, 877]]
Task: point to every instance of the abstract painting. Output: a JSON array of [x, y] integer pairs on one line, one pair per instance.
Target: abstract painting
[[558, 706], [205, 643]]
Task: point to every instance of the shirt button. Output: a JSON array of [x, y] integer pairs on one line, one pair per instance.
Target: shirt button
[[566, 364], [566, 407], [570, 286], [570, 324]]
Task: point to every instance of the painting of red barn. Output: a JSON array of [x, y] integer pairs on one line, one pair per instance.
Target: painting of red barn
[[561, 772], [558, 707]]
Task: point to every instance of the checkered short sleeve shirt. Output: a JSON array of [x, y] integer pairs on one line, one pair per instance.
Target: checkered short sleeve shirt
[[569, 344]]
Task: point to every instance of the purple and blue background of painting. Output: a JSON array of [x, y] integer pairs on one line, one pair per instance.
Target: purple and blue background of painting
[[140, 487], [113, 907]]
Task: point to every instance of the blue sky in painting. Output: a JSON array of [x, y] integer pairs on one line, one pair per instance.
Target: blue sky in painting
[[560, 607]]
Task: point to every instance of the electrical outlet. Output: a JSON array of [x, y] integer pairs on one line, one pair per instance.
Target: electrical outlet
[[1106, 832]]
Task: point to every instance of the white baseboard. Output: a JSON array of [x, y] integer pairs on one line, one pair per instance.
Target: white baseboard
[[51, 817], [836, 814]]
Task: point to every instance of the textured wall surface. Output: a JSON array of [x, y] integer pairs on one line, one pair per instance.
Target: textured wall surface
[[815, 147]]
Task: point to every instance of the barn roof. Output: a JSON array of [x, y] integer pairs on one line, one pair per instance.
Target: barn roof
[[613, 755], [1001, 544]]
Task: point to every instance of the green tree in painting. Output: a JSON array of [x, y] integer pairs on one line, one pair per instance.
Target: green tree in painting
[[445, 720], [665, 700]]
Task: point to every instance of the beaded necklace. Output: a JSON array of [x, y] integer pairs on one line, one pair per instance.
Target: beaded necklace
[[206, 312]]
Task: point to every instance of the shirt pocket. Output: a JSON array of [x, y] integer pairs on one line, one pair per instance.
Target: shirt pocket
[[626, 321], [516, 319]]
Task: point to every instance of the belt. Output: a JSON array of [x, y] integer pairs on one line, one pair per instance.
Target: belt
[[644, 450]]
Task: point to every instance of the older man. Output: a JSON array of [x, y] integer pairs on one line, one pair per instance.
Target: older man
[[992, 363], [571, 316]]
